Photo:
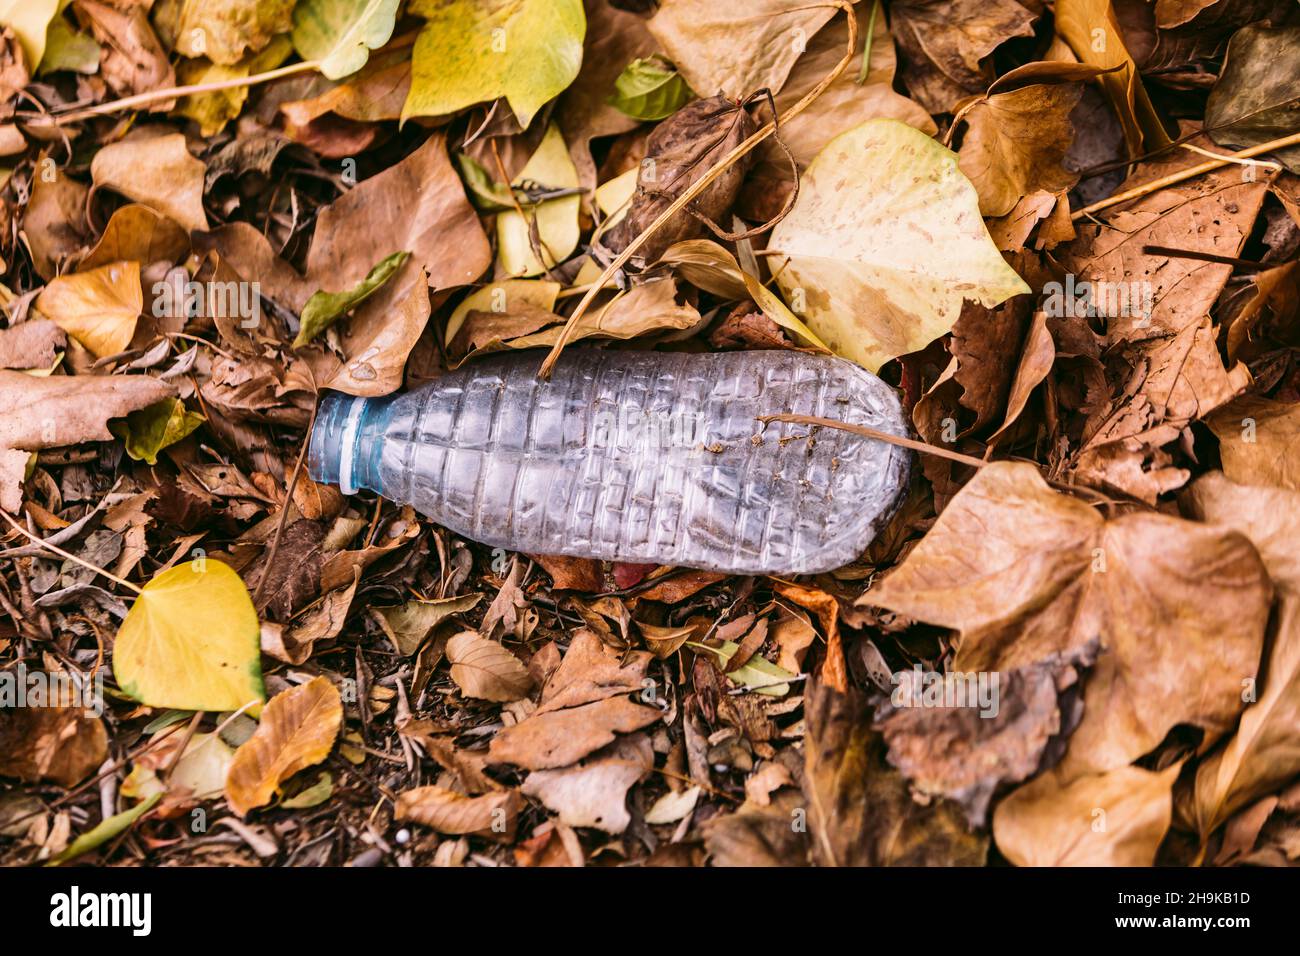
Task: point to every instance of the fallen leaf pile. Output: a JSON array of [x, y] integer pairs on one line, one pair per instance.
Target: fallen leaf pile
[[1066, 233]]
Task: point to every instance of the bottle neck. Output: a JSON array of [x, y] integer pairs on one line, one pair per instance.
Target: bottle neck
[[337, 453]]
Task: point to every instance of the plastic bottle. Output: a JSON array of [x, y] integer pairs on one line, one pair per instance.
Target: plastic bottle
[[651, 457]]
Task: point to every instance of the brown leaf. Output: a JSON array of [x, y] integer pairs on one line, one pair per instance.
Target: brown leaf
[[1112, 819], [593, 792], [1143, 295], [1265, 752], [297, 730], [1259, 442], [137, 232], [860, 810], [572, 574], [614, 38], [1016, 139], [156, 171], [720, 53], [54, 224], [1024, 572], [680, 151], [757, 835], [969, 749], [583, 707], [131, 58], [62, 744], [486, 670], [492, 815], [946, 45], [33, 344]]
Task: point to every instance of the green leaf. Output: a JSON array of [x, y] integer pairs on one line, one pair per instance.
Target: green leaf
[[149, 430], [105, 831], [66, 49], [485, 193], [323, 308], [470, 52], [341, 33], [649, 89], [758, 673]]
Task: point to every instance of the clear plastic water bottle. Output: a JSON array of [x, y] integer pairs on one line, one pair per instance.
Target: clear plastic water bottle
[[648, 457]]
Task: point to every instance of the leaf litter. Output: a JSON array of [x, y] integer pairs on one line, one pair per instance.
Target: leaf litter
[[1075, 261]]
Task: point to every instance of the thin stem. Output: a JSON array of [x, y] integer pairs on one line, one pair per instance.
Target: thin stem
[[288, 502], [64, 554], [703, 183], [868, 432], [1173, 179], [176, 92]]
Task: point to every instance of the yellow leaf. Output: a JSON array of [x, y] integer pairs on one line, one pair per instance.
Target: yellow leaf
[[297, 731], [470, 52], [191, 641], [885, 243], [29, 20], [504, 297], [549, 168], [98, 308]]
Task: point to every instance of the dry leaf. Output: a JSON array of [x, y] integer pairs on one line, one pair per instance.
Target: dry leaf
[[486, 670], [155, 171], [98, 308], [1112, 819], [492, 815], [593, 792], [1024, 572], [297, 730]]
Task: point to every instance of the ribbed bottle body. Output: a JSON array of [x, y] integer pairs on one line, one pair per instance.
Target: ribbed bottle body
[[639, 456]]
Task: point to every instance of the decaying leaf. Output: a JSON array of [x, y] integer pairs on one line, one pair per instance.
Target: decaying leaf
[[491, 815], [860, 811], [870, 270], [1023, 572]]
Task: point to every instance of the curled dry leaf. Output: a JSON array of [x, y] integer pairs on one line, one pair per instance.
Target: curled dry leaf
[[155, 171], [681, 150], [297, 730], [1023, 572], [484, 669]]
